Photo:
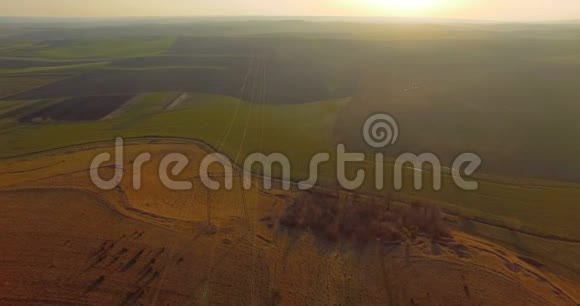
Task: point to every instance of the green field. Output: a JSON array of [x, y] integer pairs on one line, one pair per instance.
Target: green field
[[109, 48], [64, 68]]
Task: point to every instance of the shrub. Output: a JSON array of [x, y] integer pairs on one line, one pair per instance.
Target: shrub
[[364, 221]]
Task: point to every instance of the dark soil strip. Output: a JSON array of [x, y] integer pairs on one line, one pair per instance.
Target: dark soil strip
[[96, 284], [78, 109]]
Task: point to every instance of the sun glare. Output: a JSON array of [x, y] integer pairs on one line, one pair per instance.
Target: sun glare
[[405, 6]]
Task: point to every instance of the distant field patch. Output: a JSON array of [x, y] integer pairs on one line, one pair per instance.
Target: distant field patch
[[20, 49], [20, 63], [125, 82], [123, 108], [78, 109], [179, 61], [51, 69], [563, 60], [16, 84], [177, 101], [280, 81], [8, 106], [16, 109], [109, 48], [191, 100], [218, 45], [163, 67]]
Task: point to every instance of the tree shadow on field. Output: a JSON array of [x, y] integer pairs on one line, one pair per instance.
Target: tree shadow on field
[[293, 236]]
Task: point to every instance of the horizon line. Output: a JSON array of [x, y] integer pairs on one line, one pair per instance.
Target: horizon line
[[250, 17]]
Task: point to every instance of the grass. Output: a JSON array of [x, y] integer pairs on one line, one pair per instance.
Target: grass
[[110, 48]]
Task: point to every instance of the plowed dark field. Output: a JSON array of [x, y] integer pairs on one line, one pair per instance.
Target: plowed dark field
[[78, 109]]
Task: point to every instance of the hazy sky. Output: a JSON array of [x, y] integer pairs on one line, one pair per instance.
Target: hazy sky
[[468, 9]]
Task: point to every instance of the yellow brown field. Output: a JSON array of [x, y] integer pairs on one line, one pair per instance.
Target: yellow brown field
[[67, 242]]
